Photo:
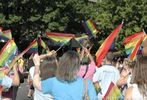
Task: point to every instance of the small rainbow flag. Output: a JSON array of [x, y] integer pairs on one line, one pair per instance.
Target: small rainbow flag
[[33, 47], [97, 87], [42, 43], [90, 27], [8, 34], [5, 35], [131, 41], [81, 38], [8, 53], [104, 48], [61, 38], [113, 93]]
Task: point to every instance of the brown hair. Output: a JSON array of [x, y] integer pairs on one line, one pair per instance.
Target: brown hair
[[129, 63], [48, 67], [69, 65], [110, 56], [139, 75]]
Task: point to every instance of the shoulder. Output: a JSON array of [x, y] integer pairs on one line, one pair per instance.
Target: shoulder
[[128, 93]]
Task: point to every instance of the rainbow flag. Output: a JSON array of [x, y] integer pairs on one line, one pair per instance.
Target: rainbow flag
[[81, 38], [33, 47], [131, 41], [104, 48], [60, 38], [113, 93], [8, 34], [97, 87], [5, 35], [90, 27], [42, 43], [136, 48], [8, 53]]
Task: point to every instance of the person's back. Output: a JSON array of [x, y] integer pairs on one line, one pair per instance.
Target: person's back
[[105, 75], [66, 85], [68, 91]]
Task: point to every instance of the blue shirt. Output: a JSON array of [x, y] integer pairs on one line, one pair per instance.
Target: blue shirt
[[68, 91]]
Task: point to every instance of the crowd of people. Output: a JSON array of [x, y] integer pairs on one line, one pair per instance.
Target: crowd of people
[[75, 76]]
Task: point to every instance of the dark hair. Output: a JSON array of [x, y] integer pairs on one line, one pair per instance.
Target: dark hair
[[69, 65], [48, 67], [30, 63]]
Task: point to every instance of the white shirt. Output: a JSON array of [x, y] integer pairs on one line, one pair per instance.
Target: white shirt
[[136, 95], [105, 75], [31, 72]]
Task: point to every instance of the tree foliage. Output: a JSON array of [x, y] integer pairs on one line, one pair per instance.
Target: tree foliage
[[28, 18]]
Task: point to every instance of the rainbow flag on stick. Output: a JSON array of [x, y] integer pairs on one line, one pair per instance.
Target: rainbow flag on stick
[[81, 38], [61, 38], [8, 34], [33, 47], [104, 48], [131, 41], [8, 53], [135, 50], [42, 43], [90, 27], [113, 93]]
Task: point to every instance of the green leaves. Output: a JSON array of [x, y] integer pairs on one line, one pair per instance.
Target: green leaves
[[37, 16]]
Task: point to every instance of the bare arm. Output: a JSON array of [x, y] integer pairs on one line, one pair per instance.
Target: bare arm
[[128, 94], [88, 54], [36, 79], [15, 80], [82, 55]]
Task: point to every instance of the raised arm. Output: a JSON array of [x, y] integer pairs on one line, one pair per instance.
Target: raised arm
[[15, 80], [36, 79], [88, 54]]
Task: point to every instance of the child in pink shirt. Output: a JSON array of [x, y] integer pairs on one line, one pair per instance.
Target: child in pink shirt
[[88, 65]]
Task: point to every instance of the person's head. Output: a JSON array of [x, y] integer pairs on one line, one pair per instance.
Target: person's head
[[139, 74], [48, 67], [144, 50], [128, 66], [69, 65], [109, 58]]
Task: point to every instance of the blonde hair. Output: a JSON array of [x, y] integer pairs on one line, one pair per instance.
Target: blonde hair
[[69, 64]]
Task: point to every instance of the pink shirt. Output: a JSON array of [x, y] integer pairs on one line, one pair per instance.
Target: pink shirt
[[90, 71]]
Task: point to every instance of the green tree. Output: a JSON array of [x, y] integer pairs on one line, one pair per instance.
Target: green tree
[[28, 18]]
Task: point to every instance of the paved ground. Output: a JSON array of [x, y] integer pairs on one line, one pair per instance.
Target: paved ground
[[22, 92]]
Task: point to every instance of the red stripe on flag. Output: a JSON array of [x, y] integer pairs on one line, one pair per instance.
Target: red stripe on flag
[[136, 48], [131, 37], [102, 51], [59, 34]]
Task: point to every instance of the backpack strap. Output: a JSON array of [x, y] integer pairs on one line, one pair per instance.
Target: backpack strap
[[87, 67]]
